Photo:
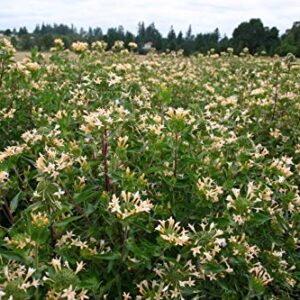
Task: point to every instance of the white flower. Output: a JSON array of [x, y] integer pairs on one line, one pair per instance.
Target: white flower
[[1, 294], [126, 296], [79, 47], [69, 293], [29, 273], [3, 176], [82, 295], [59, 193], [56, 263], [114, 205], [80, 266]]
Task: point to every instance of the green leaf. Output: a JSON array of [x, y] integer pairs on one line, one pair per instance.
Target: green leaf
[[11, 255], [260, 218], [14, 202], [67, 221]]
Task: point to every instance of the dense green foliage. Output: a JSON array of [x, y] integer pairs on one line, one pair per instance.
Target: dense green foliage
[[162, 177], [253, 35]]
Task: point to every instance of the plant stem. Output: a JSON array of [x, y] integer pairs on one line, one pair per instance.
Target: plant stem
[[124, 241], [275, 101], [105, 162], [7, 212], [175, 155], [2, 68], [36, 258]]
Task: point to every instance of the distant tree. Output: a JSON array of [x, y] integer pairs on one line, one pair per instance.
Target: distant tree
[[94, 35], [290, 41], [90, 37], [14, 41], [7, 32], [224, 44], [141, 35], [255, 36], [26, 42], [189, 35], [98, 34], [179, 41], [205, 42], [37, 30], [148, 34], [189, 42], [22, 31], [113, 35], [171, 39], [153, 35], [82, 32], [272, 40], [45, 41], [129, 37]]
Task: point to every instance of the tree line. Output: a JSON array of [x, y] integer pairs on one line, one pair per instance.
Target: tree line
[[251, 34]]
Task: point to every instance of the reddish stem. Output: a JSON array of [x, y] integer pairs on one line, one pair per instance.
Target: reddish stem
[[1, 72]]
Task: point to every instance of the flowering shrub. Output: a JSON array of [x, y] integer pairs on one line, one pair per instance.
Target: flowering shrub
[[158, 178]]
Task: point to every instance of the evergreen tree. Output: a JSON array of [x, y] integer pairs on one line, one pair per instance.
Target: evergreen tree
[[171, 39]]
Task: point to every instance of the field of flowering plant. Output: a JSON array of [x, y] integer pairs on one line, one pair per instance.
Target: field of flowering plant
[[163, 177]]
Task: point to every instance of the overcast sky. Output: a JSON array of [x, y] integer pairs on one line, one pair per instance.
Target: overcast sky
[[204, 16]]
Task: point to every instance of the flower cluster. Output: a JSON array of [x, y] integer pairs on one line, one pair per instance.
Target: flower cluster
[[130, 205], [173, 233], [79, 47]]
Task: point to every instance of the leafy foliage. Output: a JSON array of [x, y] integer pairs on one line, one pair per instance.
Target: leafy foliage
[[159, 178]]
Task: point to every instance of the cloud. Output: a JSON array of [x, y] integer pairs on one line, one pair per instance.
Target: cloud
[[204, 16]]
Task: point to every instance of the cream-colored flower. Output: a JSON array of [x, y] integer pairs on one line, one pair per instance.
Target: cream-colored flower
[[58, 43], [79, 47], [130, 204], [3, 176], [173, 233], [56, 263], [33, 66], [69, 293], [79, 267]]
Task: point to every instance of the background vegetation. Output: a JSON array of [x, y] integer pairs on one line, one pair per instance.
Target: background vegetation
[[252, 34]]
